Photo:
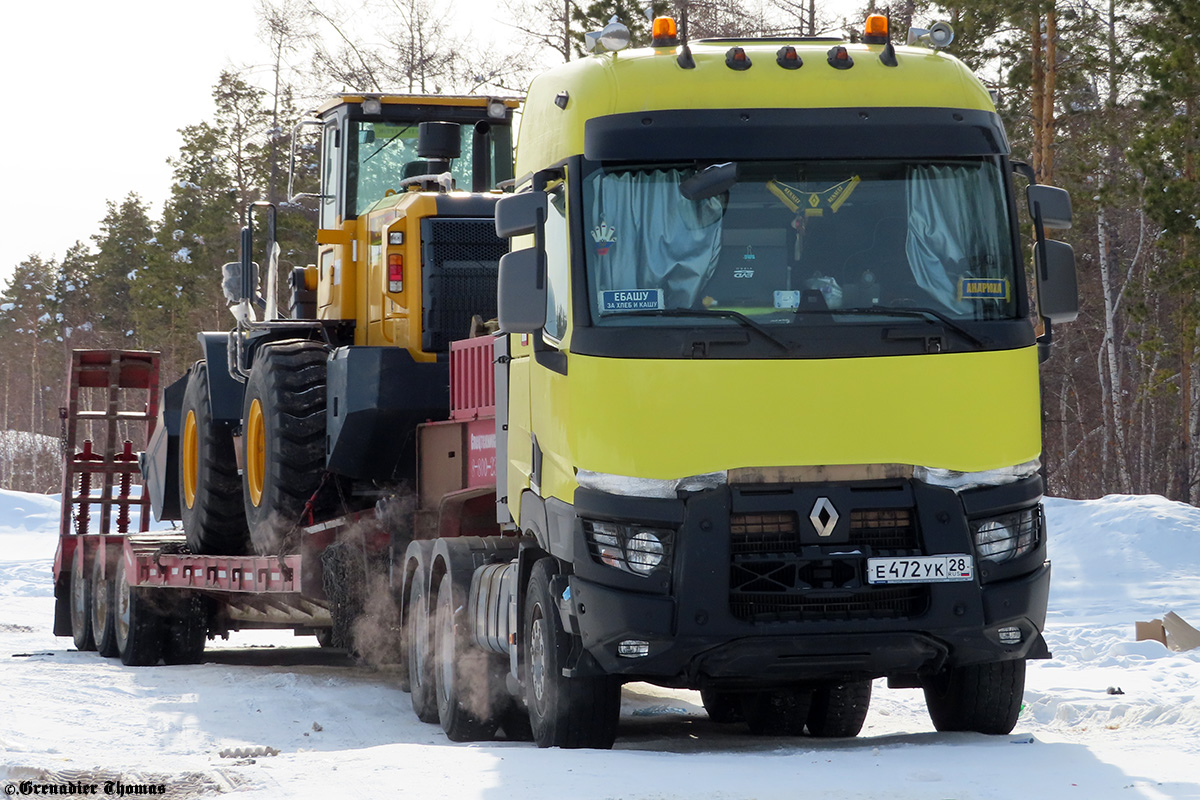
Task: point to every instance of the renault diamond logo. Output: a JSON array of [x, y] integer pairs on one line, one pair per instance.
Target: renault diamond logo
[[824, 516]]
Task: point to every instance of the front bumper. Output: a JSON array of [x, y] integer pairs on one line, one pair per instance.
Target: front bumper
[[706, 623]]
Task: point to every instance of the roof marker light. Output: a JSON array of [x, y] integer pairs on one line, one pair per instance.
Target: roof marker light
[[736, 58], [876, 30], [664, 32], [788, 58], [839, 58]]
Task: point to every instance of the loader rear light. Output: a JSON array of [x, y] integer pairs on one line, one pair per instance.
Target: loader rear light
[[876, 29], [395, 272]]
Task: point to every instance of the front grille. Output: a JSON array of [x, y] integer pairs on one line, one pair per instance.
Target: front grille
[[460, 260], [874, 603], [774, 577]]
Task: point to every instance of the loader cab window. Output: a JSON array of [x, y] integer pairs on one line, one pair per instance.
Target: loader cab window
[[329, 176]]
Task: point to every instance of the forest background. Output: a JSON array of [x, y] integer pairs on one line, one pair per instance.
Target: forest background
[[1100, 97]]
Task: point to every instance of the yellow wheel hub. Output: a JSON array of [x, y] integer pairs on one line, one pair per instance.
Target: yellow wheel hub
[[256, 452], [191, 459]]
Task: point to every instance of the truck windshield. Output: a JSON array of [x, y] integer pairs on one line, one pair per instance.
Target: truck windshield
[[797, 237]]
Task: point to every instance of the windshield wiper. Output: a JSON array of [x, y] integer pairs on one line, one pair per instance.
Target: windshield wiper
[[924, 313], [710, 312], [388, 142]]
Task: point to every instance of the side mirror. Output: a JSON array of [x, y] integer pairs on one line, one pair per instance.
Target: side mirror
[[520, 214], [521, 289], [1058, 293], [1055, 205]]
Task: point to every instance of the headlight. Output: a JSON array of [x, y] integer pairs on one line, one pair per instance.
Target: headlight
[[1007, 536], [645, 552], [630, 548]]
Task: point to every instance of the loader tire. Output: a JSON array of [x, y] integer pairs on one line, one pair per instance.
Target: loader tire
[[103, 628], [209, 487], [283, 439], [81, 602], [139, 624], [580, 711], [984, 698]]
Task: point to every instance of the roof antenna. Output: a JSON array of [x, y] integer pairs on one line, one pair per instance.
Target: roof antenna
[[888, 56], [684, 59]]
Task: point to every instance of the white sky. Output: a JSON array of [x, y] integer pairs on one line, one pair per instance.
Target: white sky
[[98, 92]]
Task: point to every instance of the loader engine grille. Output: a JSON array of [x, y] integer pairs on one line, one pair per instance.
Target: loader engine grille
[[460, 258], [773, 577]]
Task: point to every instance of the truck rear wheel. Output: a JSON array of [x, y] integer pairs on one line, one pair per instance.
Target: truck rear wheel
[[467, 698], [839, 709], [563, 712], [213, 519], [186, 630], [777, 712], [81, 603], [284, 438], [985, 698], [139, 626], [724, 708], [103, 628], [420, 656]]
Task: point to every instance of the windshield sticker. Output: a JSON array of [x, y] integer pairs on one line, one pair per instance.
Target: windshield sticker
[[746, 270], [787, 299], [631, 300], [813, 203], [605, 237], [983, 289]]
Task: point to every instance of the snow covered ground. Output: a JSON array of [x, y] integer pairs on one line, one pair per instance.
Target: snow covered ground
[[344, 731]]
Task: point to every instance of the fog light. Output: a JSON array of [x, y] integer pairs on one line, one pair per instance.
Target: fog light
[[1010, 635], [633, 648], [645, 552]]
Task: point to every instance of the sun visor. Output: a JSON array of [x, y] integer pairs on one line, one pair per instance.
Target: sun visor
[[763, 134]]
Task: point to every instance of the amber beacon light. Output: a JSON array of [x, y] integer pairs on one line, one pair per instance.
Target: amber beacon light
[[876, 29], [664, 32]]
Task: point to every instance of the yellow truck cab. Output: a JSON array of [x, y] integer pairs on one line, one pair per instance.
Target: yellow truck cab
[[771, 378]]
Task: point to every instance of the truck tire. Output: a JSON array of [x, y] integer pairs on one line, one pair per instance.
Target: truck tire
[[210, 490], [984, 698], [467, 698], [724, 708], [103, 627], [420, 647], [777, 712], [81, 603], [563, 712], [839, 709], [186, 630], [283, 439], [140, 627]]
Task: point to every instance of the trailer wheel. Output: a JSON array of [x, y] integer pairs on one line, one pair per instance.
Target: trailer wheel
[[420, 647], [140, 627], [563, 712], [777, 712], [839, 709], [724, 708], [985, 698], [103, 627], [186, 630], [284, 438], [467, 700], [213, 518], [81, 602]]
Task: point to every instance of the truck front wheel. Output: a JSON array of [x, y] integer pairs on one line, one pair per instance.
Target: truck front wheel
[[283, 433], [985, 698], [563, 712]]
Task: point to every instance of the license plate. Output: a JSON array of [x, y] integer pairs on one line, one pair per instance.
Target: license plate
[[920, 569]]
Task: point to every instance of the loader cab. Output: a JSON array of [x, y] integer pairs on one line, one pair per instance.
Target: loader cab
[[369, 146]]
